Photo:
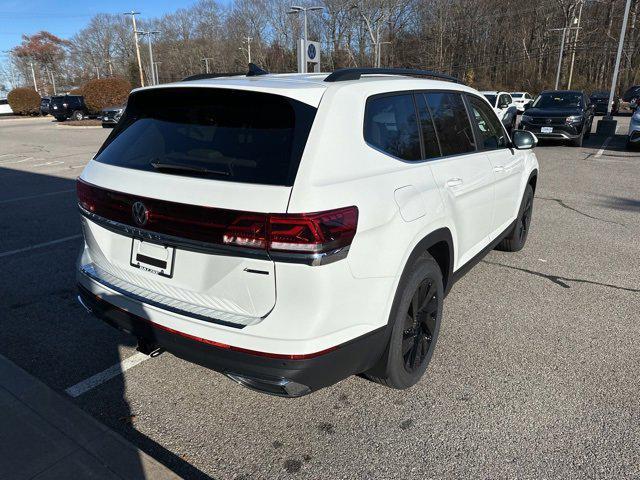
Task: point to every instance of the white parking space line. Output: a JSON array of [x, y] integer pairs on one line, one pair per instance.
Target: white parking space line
[[29, 197], [56, 162], [12, 162], [113, 371], [604, 147], [39, 245]]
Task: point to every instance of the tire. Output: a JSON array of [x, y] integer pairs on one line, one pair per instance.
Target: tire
[[515, 240], [77, 115], [413, 337]]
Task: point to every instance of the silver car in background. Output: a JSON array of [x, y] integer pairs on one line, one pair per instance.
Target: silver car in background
[[633, 140]]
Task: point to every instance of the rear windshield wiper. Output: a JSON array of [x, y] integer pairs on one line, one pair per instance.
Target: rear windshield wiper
[[178, 167]]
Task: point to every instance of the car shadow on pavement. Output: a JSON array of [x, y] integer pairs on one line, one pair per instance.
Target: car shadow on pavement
[[45, 330]]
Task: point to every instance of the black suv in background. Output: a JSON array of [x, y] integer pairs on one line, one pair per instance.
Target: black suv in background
[[560, 115], [44, 106], [599, 101], [64, 107]]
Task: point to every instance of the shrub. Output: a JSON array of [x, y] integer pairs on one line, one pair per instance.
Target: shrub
[[105, 92], [24, 101]]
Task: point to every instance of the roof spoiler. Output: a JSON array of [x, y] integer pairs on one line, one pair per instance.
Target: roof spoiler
[[345, 74], [254, 71]]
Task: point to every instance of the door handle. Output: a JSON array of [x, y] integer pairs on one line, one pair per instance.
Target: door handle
[[498, 169], [454, 182]]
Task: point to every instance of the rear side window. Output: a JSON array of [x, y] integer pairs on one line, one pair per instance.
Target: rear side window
[[492, 134], [223, 134], [452, 122], [391, 125]]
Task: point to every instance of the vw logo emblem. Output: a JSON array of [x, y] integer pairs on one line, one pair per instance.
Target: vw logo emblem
[[140, 213], [548, 120], [311, 51]]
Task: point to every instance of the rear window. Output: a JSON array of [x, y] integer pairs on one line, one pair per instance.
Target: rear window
[[223, 134], [391, 125]]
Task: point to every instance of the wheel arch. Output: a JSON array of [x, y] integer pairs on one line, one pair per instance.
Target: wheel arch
[[533, 180]]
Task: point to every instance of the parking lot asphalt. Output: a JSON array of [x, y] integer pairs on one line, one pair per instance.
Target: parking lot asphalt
[[535, 374]]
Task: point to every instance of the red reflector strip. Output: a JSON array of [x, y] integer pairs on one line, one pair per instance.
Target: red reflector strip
[[213, 343]]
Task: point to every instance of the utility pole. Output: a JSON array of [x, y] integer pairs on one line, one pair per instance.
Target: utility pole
[[97, 72], [206, 63], [149, 33], [616, 70], [296, 9], [157, 76], [564, 36], [135, 36], [110, 68], [575, 45]]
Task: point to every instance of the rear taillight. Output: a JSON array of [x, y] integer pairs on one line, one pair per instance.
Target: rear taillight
[[313, 232], [282, 234]]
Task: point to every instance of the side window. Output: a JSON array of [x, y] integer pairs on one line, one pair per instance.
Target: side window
[[429, 138], [390, 124], [502, 101], [527, 96], [492, 134], [451, 122]]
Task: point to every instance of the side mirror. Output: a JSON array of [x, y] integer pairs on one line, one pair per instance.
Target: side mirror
[[523, 140], [527, 106]]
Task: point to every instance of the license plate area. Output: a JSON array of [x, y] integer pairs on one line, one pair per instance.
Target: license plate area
[[546, 130], [152, 257]]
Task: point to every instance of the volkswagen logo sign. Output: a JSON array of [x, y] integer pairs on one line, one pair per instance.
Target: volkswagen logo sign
[[139, 213], [548, 120], [311, 51]]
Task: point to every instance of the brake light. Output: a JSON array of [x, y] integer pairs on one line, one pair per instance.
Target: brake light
[[313, 232]]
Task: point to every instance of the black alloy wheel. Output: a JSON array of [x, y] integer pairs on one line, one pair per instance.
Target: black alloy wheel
[[420, 326]]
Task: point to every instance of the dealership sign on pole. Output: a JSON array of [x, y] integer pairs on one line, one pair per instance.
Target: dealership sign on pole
[[308, 53]]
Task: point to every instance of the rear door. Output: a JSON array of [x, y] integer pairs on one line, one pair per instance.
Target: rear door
[[174, 203], [507, 165], [464, 175]]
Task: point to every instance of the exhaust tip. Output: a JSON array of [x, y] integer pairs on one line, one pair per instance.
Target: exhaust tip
[[281, 387]]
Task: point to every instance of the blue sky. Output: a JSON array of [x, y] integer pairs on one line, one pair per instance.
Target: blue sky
[[66, 17]]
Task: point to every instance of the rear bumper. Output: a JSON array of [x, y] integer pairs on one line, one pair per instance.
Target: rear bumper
[[287, 377]]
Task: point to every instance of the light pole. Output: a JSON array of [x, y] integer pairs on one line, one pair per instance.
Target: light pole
[[149, 33], [135, 37], [296, 9]]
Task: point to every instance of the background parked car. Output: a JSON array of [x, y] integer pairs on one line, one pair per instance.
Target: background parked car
[[560, 115], [64, 107], [600, 99], [5, 109], [110, 116], [45, 104], [633, 140], [521, 100], [630, 98], [504, 107]]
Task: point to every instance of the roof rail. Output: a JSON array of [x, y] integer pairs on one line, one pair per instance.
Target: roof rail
[[200, 76], [344, 74], [254, 70]]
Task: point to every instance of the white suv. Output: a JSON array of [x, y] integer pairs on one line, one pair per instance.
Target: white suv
[[292, 230]]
